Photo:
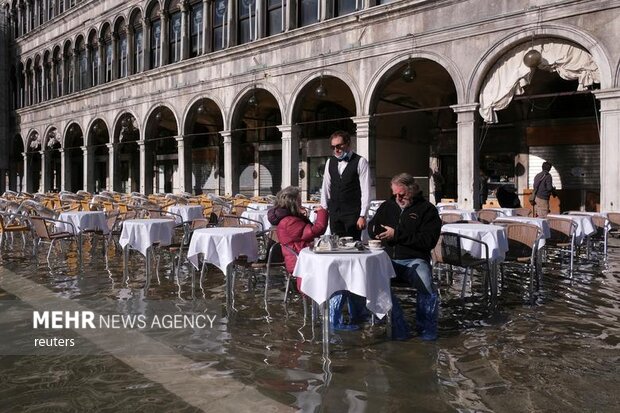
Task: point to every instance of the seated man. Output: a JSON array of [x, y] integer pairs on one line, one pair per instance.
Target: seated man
[[409, 226]]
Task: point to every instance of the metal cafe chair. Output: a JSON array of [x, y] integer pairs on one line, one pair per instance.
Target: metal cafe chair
[[11, 224], [43, 232], [614, 223], [563, 237], [523, 242], [602, 226], [450, 252]]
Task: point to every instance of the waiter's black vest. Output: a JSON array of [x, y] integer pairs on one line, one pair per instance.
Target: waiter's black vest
[[345, 191]]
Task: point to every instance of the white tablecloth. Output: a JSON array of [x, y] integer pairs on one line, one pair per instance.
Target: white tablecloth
[[222, 245], [364, 274], [465, 214], [492, 235], [187, 212], [539, 222], [83, 221], [140, 234], [260, 216], [585, 226], [259, 206], [593, 214], [503, 212]]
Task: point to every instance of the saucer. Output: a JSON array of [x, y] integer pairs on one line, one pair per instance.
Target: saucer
[[375, 248]]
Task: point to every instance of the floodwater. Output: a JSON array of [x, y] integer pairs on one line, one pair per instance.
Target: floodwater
[[557, 351]]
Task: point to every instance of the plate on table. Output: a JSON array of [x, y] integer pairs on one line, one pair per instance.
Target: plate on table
[[375, 248]]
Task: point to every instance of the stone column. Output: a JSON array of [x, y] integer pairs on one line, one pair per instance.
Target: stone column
[[467, 157], [184, 30], [610, 148], [184, 165], [25, 177], [165, 52], [44, 183], [290, 154], [230, 30], [28, 11], [362, 148], [229, 165], [88, 182], [64, 173], [112, 178], [143, 172]]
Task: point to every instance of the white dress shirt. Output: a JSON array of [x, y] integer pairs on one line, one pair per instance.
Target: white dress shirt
[[362, 172]]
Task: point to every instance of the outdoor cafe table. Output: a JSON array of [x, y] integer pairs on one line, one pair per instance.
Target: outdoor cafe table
[[141, 235], [539, 222], [83, 221], [503, 212], [492, 235], [366, 274], [256, 215], [584, 223], [220, 246], [259, 206], [187, 213]]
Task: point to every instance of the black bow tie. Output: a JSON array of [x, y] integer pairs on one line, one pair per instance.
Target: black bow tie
[[345, 159]]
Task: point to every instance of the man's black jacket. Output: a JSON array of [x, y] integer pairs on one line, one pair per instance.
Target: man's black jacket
[[416, 228]]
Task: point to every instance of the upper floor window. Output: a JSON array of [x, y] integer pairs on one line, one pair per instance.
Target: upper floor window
[[122, 51], [308, 12], [246, 20], [138, 51], [174, 37], [83, 67], [276, 10], [343, 7], [219, 23], [155, 43], [195, 36]]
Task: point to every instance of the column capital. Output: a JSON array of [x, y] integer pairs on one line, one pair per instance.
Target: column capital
[[464, 107], [289, 130], [610, 99], [361, 119], [110, 146], [180, 139], [227, 135]]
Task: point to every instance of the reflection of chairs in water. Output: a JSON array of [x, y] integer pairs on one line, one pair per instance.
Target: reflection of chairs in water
[[562, 237], [449, 251], [523, 242]]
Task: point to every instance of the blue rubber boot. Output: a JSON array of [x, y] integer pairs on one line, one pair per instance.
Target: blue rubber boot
[[357, 309], [400, 327], [427, 314], [336, 304]]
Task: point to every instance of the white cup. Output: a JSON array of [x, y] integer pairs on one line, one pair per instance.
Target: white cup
[[374, 244]]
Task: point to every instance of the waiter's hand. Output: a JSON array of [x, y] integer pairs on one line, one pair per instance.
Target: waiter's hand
[[361, 223], [387, 235]]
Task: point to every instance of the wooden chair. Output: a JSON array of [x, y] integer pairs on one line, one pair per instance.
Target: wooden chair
[[450, 217], [487, 216], [523, 212], [11, 224], [602, 226], [563, 237], [614, 223]]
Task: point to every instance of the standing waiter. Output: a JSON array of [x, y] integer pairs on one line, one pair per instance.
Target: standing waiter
[[346, 195], [346, 188]]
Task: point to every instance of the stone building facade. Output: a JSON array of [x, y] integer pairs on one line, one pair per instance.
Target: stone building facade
[[240, 96]]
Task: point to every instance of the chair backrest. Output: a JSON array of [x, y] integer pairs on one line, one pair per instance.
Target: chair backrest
[[450, 217], [601, 225], [522, 239], [486, 216], [39, 225], [523, 212], [562, 229], [448, 207], [450, 249], [614, 219]]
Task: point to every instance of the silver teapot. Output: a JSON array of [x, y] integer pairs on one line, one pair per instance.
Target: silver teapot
[[327, 242]]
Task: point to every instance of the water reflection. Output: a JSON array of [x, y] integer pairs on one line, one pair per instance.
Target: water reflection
[[556, 351]]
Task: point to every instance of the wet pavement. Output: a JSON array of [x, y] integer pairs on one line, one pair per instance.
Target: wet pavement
[[557, 351]]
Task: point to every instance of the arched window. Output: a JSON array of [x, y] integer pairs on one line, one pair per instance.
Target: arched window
[[122, 49], [195, 30], [38, 80], [47, 76], [276, 10], [155, 38], [93, 45], [343, 7], [174, 37], [69, 69], [246, 21], [219, 14], [107, 54], [308, 12], [58, 69], [82, 61], [41, 12], [138, 42], [50, 9], [29, 83]]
